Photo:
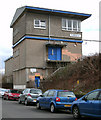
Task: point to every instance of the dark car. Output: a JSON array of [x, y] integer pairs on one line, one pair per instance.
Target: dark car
[[11, 94], [29, 95], [88, 105], [56, 99]]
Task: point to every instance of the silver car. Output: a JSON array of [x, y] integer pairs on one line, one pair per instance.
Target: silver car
[[29, 95]]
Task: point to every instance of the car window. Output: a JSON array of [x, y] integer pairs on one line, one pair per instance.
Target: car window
[[46, 93], [51, 93], [3, 90], [92, 96], [65, 94], [35, 91], [15, 91], [8, 91], [99, 97], [26, 91]]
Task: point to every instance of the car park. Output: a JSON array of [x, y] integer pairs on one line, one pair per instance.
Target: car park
[[29, 95], [56, 99], [88, 105], [11, 94]]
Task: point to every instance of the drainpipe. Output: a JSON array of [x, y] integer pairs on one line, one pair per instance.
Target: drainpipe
[[49, 27]]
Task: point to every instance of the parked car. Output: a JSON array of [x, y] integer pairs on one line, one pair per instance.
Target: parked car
[[29, 95], [56, 99], [88, 105], [11, 94], [2, 91]]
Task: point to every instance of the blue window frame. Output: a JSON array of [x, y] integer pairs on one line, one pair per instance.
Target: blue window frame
[[54, 53]]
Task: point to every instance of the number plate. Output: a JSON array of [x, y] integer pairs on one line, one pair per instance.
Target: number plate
[[67, 105], [34, 100]]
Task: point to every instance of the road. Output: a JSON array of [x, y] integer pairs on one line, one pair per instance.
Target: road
[[11, 110]]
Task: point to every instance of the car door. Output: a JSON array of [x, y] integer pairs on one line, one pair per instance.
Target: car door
[[87, 103], [6, 94], [26, 93], [42, 99], [97, 105], [49, 98], [22, 97]]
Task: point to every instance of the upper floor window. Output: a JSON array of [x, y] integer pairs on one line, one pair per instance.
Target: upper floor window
[[39, 24], [71, 25]]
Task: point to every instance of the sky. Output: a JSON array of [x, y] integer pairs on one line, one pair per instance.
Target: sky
[[89, 27]]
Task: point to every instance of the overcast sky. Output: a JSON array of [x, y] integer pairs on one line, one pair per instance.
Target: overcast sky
[[90, 27]]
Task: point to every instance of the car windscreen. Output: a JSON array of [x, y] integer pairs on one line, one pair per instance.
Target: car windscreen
[[35, 91], [65, 94], [14, 91], [3, 90]]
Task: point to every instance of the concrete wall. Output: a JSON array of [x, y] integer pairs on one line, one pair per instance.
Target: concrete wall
[[55, 26], [8, 71], [25, 25], [37, 52], [19, 77], [72, 52], [20, 58], [19, 29], [9, 66], [30, 30], [31, 53]]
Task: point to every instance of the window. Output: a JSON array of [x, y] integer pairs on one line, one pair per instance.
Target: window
[[51, 93], [46, 93], [35, 91], [40, 24], [93, 95], [65, 94], [71, 25], [99, 97]]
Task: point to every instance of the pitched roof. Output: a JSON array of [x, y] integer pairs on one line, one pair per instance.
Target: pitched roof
[[21, 10]]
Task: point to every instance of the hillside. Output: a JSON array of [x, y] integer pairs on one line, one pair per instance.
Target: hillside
[[80, 77]]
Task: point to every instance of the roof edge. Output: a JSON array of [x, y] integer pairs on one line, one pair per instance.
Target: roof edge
[[20, 10], [8, 58]]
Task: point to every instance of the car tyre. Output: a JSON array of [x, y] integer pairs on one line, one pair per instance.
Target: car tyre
[[19, 101], [38, 105], [76, 112], [4, 98], [52, 108]]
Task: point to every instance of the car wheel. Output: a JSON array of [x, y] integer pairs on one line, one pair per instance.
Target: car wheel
[[52, 108], [4, 98], [76, 113], [19, 101], [26, 102], [38, 105]]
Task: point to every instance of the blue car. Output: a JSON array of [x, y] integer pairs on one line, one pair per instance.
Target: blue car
[[56, 99], [88, 105]]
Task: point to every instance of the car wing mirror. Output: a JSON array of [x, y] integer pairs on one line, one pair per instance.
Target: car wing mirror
[[42, 95], [85, 99], [22, 92]]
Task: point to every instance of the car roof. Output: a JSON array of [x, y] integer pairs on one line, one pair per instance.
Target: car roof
[[60, 90], [32, 89], [90, 92]]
